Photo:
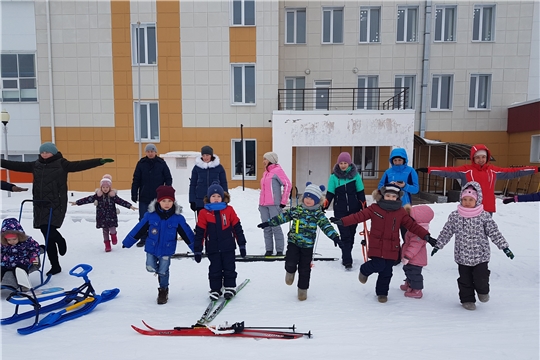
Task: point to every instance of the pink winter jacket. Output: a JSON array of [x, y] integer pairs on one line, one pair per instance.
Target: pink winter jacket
[[414, 248], [271, 182]]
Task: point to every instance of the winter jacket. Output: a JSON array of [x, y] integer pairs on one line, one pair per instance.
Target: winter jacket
[[21, 254], [273, 179], [202, 176], [303, 229], [7, 186], [485, 175], [527, 198], [161, 227], [403, 173], [106, 215], [50, 184], [384, 234], [414, 248], [347, 190], [219, 227], [471, 246], [149, 174]]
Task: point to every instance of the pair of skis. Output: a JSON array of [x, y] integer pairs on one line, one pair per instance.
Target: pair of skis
[[216, 306]]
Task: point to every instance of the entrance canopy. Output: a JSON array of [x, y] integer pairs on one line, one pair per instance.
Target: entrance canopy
[[457, 150]]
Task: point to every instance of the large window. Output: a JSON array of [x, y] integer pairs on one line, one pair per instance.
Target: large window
[[368, 92], [370, 24], [445, 23], [484, 23], [441, 92], [407, 24], [143, 44], [243, 84], [243, 12], [322, 94], [149, 121], [295, 26], [294, 94], [407, 99], [480, 92], [365, 159], [332, 25], [18, 77], [244, 158]]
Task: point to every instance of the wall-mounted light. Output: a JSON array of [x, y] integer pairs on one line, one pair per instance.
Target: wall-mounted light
[[355, 70], [307, 71]]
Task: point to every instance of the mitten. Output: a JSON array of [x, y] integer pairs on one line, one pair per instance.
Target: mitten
[[198, 257], [430, 240], [424, 170], [508, 253], [404, 261], [134, 198], [282, 205], [435, 249], [103, 161], [193, 206], [509, 200], [263, 225], [338, 242], [243, 251], [325, 204], [336, 221]]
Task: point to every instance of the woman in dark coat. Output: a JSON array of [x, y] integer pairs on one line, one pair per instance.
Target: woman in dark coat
[[50, 172]]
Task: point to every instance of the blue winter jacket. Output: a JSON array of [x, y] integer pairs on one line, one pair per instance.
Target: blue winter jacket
[[149, 174], [202, 176], [403, 173]]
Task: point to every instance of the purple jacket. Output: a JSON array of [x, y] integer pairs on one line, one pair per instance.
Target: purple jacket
[[106, 216]]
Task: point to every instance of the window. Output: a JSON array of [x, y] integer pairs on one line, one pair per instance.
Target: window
[[407, 98], [149, 121], [18, 77], [143, 44], [295, 26], [332, 26], [535, 149], [365, 159], [245, 153], [445, 23], [479, 92], [243, 82], [294, 94], [370, 24], [483, 22], [441, 92], [243, 12], [407, 24], [368, 92], [322, 94]]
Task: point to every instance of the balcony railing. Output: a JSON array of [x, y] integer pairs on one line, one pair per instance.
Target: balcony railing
[[381, 98]]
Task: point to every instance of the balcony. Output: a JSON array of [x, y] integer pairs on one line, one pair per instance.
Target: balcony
[[322, 98]]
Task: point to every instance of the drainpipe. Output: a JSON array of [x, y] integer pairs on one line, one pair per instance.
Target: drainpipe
[[425, 69], [49, 59]]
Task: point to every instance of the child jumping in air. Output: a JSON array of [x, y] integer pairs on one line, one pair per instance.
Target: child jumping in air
[[387, 216], [219, 228], [161, 223], [472, 226], [305, 218], [105, 200]]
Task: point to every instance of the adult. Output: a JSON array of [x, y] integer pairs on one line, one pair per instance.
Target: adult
[[150, 173], [207, 169], [275, 190], [12, 187], [481, 171], [49, 190]]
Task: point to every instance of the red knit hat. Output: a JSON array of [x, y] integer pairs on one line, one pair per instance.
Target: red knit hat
[[165, 192]]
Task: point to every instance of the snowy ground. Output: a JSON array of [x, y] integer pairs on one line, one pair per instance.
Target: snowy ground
[[344, 315]]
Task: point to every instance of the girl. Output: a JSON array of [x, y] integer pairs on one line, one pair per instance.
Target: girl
[[105, 200]]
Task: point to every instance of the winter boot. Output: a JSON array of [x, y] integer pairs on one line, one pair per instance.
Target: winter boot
[[279, 253], [302, 294], [405, 286], [348, 266], [114, 239], [469, 305], [362, 278], [62, 246], [107, 246], [214, 294], [414, 293], [483, 297], [269, 253], [54, 270], [163, 296], [289, 278], [382, 298], [229, 293]]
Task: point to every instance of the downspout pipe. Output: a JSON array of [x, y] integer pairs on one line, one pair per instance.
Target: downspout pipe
[[425, 68], [50, 70]]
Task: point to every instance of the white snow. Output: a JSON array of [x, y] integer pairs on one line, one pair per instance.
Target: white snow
[[344, 316]]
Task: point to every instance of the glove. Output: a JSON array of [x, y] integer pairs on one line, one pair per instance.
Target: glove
[[435, 249], [336, 221], [134, 198], [325, 204], [430, 240], [404, 261], [263, 225], [338, 242], [193, 206], [103, 161], [508, 253], [282, 205], [243, 252], [424, 170], [509, 200], [198, 257]]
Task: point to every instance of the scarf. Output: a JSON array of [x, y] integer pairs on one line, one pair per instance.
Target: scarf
[[468, 212]]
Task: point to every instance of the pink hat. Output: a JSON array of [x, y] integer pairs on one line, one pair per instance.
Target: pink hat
[[469, 192], [344, 157], [107, 180]]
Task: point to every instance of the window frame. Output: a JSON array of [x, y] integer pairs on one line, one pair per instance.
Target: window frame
[[147, 139], [439, 93], [412, 91], [481, 38], [292, 95], [134, 41], [374, 173], [236, 176], [321, 84], [535, 149], [243, 102], [443, 19], [18, 89], [242, 13], [368, 26], [406, 23], [367, 96], [476, 93], [295, 11], [332, 37]]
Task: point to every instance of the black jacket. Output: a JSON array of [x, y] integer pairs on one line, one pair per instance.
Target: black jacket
[[149, 174]]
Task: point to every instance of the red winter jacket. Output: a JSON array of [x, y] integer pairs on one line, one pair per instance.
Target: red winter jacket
[[485, 175]]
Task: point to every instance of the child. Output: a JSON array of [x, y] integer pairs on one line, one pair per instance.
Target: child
[[346, 188], [472, 226], [522, 198], [414, 252], [105, 199], [18, 250], [220, 229], [386, 216], [302, 235], [160, 224]]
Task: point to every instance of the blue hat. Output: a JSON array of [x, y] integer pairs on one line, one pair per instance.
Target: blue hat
[[215, 188], [314, 192], [48, 147]]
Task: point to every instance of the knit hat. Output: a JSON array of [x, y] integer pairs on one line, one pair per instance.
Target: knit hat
[[48, 147], [106, 180], [314, 192], [480, 152], [344, 157], [207, 150], [271, 156], [150, 147], [165, 192], [470, 191], [215, 188], [391, 188]]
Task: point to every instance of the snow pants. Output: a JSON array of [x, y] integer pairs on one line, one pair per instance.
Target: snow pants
[[473, 278], [299, 258], [413, 273], [347, 233], [382, 266], [222, 270]]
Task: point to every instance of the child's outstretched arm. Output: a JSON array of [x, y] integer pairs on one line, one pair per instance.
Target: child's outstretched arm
[[329, 230], [277, 220], [137, 232], [186, 233], [118, 200], [85, 200], [492, 231]]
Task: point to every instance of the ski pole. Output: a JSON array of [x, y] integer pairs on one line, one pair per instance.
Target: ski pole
[[293, 328], [314, 247]]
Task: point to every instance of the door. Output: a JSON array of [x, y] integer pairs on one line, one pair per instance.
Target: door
[[312, 164]]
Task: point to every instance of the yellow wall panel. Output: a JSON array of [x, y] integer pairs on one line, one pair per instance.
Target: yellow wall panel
[[243, 44]]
